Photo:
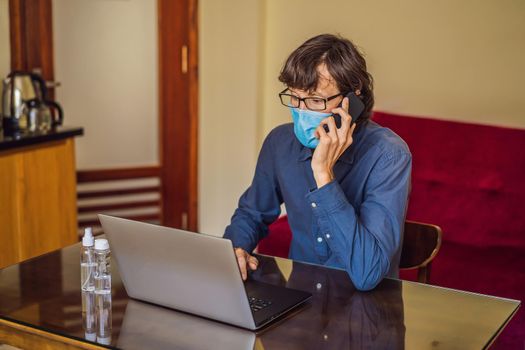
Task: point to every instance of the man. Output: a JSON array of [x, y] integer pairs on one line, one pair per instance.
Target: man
[[345, 188]]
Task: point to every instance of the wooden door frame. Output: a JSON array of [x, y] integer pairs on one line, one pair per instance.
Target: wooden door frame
[[32, 47], [178, 111], [31, 37]]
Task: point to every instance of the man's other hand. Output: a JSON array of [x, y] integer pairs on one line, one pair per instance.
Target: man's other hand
[[245, 260]]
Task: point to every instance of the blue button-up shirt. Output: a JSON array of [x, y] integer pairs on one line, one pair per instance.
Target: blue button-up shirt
[[354, 222]]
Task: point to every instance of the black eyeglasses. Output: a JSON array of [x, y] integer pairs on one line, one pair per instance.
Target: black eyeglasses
[[312, 103]]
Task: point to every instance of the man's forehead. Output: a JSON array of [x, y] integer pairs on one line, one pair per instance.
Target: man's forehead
[[324, 75], [326, 84], [324, 87]]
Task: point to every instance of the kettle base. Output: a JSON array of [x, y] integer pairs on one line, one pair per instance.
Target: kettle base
[[11, 125]]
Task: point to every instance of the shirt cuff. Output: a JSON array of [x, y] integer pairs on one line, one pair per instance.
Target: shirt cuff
[[239, 241], [327, 199]]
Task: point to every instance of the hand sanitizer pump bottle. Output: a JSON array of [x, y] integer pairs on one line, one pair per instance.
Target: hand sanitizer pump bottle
[[103, 291], [87, 283], [87, 262]]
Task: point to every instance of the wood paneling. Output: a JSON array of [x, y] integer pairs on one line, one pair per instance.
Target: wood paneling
[[128, 205], [38, 200], [117, 174], [121, 201], [119, 192]]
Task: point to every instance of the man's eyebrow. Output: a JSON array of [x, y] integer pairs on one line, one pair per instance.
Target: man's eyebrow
[[313, 93], [317, 94]]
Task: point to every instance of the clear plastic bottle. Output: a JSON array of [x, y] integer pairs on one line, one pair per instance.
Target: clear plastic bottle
[[103, 289], [87, 262]]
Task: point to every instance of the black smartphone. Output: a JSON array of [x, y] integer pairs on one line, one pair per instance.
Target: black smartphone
[[355, 108]]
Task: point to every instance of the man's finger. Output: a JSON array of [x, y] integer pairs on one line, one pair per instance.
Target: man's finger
[[241, 260], [332, 128], [253, 262], [242, 266], [349, 137], [343, 110], [346, 104], [323, 136]]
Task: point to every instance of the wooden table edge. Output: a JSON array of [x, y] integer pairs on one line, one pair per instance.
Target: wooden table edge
[[25, 337]]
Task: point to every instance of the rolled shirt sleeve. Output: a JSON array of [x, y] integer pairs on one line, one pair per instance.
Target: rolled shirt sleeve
[[259, 205], [365, 240]]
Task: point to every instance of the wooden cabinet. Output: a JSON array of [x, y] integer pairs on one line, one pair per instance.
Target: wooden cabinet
[[38, 211]]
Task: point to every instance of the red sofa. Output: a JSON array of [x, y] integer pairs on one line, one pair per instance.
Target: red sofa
[[468, 179]]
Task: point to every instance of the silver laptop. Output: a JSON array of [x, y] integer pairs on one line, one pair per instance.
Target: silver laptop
[[194, 273]]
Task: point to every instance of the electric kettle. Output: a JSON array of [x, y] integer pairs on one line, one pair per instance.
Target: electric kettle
[[25, 105]]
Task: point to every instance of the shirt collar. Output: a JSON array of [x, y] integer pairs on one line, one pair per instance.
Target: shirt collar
[[305, 153]]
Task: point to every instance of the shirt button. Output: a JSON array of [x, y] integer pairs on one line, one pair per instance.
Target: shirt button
[[327, 235], [319, 239], [318, 286], [314, 205]]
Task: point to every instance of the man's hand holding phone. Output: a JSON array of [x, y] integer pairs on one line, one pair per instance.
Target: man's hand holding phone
[[332, 143], [245, 261]]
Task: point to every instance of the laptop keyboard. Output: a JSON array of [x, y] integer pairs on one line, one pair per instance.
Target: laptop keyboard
[[258, 304]]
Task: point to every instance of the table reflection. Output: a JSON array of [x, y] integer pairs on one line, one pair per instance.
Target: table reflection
[[88, 315], [147, 326], [339, 316], [97, 318]]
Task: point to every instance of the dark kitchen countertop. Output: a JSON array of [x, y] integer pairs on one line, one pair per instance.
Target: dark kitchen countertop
[[22, 139]]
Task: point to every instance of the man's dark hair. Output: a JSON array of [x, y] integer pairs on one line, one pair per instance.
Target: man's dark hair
[[344, 63]]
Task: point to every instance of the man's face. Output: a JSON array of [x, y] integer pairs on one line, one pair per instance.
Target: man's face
[[326, 87]]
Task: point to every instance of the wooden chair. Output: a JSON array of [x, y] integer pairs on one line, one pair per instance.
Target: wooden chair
[[421, 244]]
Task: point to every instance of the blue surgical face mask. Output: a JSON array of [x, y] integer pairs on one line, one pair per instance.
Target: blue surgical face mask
[[304, 124]]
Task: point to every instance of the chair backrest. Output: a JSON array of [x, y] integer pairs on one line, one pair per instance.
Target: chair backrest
[[421, 244]]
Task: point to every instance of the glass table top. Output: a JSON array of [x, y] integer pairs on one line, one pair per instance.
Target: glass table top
[[44, 293]]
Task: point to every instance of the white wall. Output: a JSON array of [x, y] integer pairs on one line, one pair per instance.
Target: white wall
[[456, 60], [106, 60], [5, 47], [229, 63]]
